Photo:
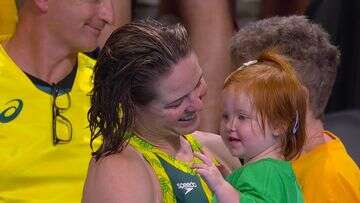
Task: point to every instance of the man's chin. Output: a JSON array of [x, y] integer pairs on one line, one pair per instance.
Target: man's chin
[[89, 49], [88, 44]]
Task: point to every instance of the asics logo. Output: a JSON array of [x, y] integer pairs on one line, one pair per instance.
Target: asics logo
[[188, 187], [12, 110]]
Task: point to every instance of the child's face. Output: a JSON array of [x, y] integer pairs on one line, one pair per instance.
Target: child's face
[[240, 128]]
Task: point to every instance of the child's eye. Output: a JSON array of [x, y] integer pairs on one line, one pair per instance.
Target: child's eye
[[242, 117], [225, 116]]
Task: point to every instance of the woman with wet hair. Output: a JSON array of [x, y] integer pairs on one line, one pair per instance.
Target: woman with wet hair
[[148, 91]]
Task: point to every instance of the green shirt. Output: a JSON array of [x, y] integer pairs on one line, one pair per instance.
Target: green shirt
[[266, 180]]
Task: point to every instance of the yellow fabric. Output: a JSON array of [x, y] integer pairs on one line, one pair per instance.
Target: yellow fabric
[[149, 152], [8, 17], [32, 170], [328, 174]]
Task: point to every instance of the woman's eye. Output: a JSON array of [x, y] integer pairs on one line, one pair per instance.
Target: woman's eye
[[174, 105]]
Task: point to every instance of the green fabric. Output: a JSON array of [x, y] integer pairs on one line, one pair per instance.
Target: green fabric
[[266, 180], [153, 154], [187, 187]]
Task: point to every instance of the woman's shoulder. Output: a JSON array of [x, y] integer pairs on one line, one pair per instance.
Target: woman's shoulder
[[124, 160], [107, 177]]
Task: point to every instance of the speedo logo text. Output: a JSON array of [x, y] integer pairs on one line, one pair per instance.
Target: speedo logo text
[[188, 187]]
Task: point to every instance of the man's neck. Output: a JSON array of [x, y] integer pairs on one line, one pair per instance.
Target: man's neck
[[36, 54], [315, 133]]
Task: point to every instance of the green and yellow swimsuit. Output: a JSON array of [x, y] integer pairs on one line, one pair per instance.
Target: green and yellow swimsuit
[[179, 183]]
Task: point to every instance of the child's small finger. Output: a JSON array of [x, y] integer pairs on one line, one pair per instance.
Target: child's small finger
[[203, 158], [198, 165], [210, 155], [207, 153], [202, 172]]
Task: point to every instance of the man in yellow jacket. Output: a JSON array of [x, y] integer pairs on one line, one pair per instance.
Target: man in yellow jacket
[[44, 98]]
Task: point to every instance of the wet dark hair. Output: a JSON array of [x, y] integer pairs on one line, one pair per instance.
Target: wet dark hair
[[133, 59], [304, 43]]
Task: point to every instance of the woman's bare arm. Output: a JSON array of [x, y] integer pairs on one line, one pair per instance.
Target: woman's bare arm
[[119, 178]]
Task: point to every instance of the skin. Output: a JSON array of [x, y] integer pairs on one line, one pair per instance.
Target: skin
[[162, 122], [175, 111], [83, 29], [218, 149], [241, 130]]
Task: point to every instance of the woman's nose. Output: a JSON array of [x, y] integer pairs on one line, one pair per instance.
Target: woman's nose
[[196, 98], [197, 103]]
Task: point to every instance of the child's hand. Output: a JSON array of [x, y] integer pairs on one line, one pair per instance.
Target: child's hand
[[209, 171]]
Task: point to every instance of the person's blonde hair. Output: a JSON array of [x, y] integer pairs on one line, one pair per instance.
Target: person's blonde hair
[[278, 97]]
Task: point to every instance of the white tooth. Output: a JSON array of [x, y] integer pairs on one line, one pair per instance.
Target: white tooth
[[189, 117]]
